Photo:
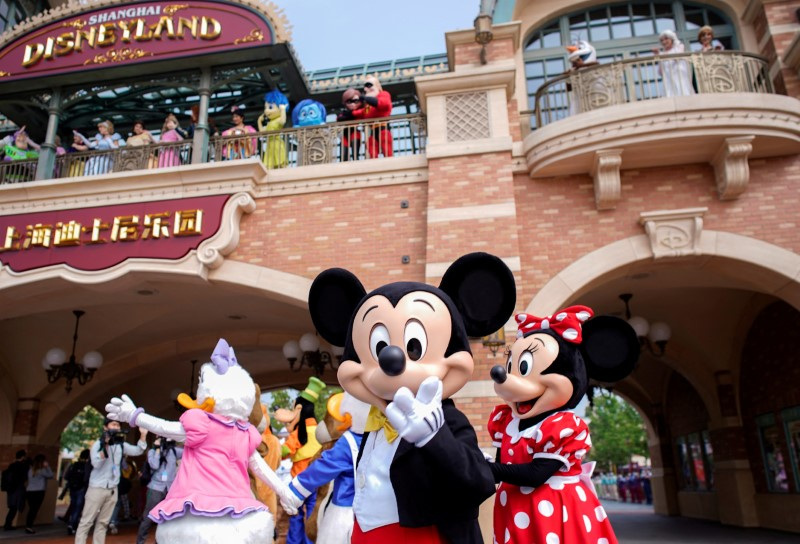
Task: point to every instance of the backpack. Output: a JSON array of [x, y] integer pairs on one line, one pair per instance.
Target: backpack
[[78, 475]]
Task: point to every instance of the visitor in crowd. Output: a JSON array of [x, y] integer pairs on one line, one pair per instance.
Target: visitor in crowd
[[13, 482], [38, 474], [76, 480], [162, 463]]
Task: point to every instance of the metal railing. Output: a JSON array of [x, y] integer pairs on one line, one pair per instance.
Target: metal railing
[[646, 78], [17, 171], [329, 143]]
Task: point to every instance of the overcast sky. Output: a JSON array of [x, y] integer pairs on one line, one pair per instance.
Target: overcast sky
[[331, 33]]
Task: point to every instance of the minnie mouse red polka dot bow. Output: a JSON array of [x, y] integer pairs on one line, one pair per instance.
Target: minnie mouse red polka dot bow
[[567, 323]]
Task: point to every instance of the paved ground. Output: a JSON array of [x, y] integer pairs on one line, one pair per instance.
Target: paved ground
[[633, 523]]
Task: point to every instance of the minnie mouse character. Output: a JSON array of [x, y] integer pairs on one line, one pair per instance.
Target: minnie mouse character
[[545, 494], [406, 348]]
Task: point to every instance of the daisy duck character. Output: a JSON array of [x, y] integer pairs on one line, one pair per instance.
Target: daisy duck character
[[420, 475], [210, 500], [546, 494], [275, 106], [337, 464]]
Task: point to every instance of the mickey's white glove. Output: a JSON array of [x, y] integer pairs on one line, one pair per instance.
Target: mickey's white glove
[[289, 501], [417, 420], [122, 410]]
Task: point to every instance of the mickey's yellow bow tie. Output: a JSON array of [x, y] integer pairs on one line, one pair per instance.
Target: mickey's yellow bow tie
[[377, 420]]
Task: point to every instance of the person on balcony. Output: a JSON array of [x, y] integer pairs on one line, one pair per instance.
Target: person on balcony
[[581, 55], [351, 135], [707, 42], [378, 104], [19, 146], [105, 140], [675, 73], [141, 136], [275, 106], [238, 148], [170, 155], [195, 115]]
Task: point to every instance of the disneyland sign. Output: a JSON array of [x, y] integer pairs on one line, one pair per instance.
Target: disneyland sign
[[131, 33], [93, 239]]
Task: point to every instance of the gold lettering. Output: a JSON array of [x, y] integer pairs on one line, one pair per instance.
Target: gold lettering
[[97, 226], [127, 27], [66, 43], [107, 35], [33, 53], [143, 32], [90, 38], [125, 229], [157, 224], [11, 242], [209, 33], [67, 234], [188, 223], [184, 23], [158, 28], [38, 235], [48, 48]]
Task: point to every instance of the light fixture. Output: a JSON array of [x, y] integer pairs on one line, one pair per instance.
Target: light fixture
[[483, 32], [57, 365], [657, 334], [494, 341], [308, 352]]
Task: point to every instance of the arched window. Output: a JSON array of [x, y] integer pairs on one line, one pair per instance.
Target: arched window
[[618, 31]]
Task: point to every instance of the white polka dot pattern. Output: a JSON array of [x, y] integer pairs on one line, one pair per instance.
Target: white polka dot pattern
[[522, 520], [602, 541], [552, 538], [545, 508], [503, 498], [587, 523], [600, 513], [581, 493], [508, 536], [565, 513], [526, 490]]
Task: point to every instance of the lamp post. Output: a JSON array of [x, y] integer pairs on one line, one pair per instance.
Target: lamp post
[[483, 33], [57, 365], [656, 334], [308, 352]]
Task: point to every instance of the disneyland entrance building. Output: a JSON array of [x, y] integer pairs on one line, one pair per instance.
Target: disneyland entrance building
[[590, 184]]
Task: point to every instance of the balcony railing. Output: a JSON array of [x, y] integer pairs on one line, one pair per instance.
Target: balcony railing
[[333, 142], [646, 78]]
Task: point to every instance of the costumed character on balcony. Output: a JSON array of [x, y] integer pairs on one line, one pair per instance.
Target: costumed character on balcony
[[351, 135], [105, 140], [170, 155], [210, 500], [301, 446], [275, 106], [546, 493], [421, 475], [343, 427], [581, 55], [238, 148], [19, 147], [675, 73], [377, 104], [308, 113]]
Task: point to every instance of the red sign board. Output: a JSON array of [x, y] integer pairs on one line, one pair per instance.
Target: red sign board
[[131, 33], [94, 239]]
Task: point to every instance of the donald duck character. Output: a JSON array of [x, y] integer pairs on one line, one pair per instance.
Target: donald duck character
[[210, 500]]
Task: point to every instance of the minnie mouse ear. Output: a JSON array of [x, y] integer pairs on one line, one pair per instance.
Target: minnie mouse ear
[[332, 300], [610, 348], [484, 291]]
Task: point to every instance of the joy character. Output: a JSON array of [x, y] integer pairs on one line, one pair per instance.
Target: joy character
[[210, 500], [275, 107], [420, 476], [545, 494]]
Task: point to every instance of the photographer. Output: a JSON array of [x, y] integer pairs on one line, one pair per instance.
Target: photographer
[[162, 460], [106, 455]]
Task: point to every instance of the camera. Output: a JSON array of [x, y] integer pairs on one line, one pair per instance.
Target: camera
[[113, 436]]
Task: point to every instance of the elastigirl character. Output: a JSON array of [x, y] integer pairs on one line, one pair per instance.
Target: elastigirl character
[[545, 494], [421, 477]]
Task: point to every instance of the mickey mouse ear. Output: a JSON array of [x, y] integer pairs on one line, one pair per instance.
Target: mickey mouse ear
[[610, 348], [332, 300]]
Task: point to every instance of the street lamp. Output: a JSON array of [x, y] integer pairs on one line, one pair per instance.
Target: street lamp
[[57, 365], [657, 333], [307, 350], [494, 341]]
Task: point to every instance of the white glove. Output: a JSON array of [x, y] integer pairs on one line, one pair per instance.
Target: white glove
[[289, 501], [417, 420], [121, 409]]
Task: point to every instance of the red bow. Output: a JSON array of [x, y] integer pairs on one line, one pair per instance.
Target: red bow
[[567, 323]]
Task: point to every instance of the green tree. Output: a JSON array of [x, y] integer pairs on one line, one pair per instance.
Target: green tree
[[617, 431], [85, 428]]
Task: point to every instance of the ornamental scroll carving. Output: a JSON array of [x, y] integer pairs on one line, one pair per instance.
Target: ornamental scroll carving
[[731, 169], [597, 87], [674, 233], [607, 184], [467, 116]]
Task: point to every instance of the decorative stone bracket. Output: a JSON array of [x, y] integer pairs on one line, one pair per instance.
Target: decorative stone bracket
[[212, 252], [674, 233], [607, 184], [731, 169]]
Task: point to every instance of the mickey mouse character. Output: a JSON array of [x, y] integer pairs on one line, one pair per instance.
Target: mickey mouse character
[[546, 495], [406, 348]]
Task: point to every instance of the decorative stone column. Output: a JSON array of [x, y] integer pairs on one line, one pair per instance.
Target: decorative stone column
[[47, 154], [663, 480], [201, 129]]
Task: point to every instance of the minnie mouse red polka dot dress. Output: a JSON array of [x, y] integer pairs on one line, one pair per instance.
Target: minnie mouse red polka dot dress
[[563, 510]]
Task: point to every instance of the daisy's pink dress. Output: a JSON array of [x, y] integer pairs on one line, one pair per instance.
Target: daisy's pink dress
[[212, 478], [563, 510]]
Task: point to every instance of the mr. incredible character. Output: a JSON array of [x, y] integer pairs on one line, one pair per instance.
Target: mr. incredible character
[[545, 492], [420, 475]]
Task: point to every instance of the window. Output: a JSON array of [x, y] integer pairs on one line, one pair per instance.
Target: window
[[791, 423], [769, 437], [696, 460], [620, 30]]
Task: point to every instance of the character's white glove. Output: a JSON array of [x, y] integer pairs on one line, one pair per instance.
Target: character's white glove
[[417, 420], [289, 501], [122, 410]]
